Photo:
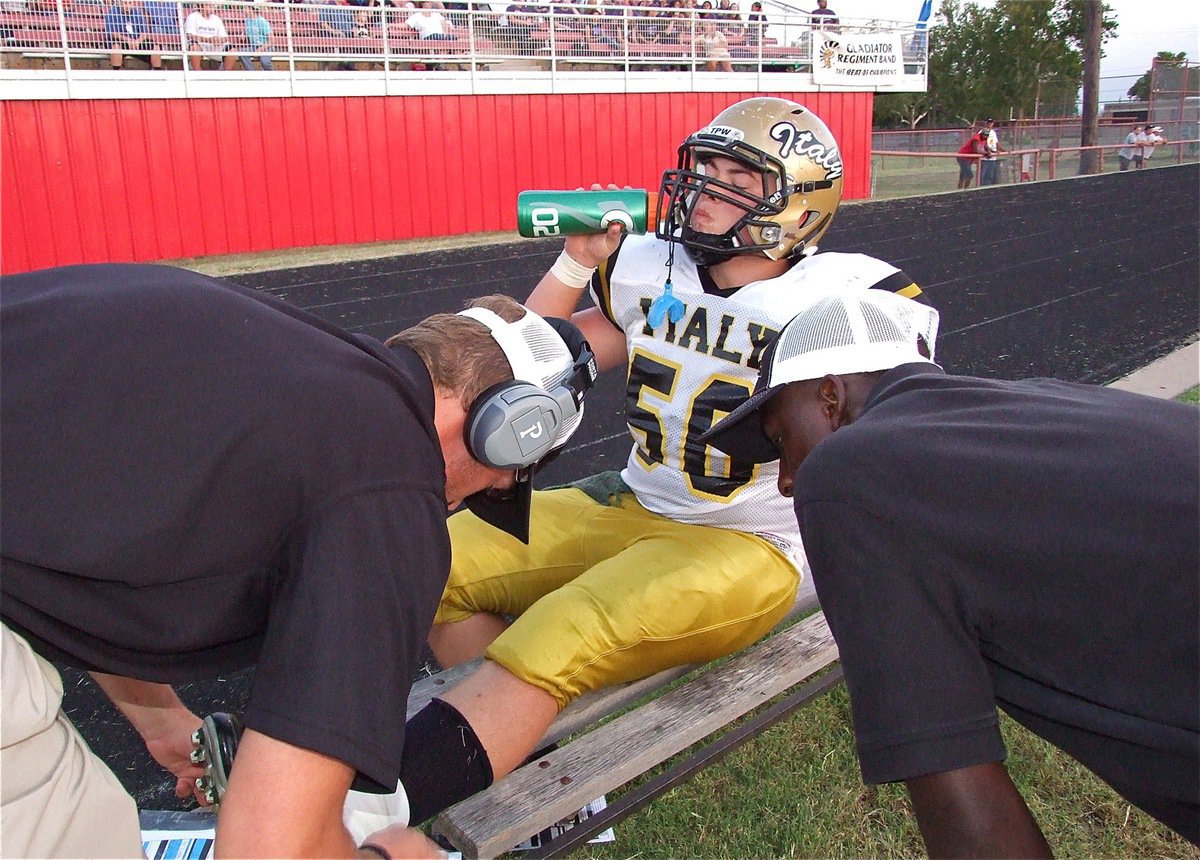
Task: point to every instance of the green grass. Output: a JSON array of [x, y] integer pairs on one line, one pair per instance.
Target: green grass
[[796, 791], [1192, 396], [895, 176]]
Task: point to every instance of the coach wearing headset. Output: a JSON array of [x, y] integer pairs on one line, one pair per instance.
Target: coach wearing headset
[[197, 477]]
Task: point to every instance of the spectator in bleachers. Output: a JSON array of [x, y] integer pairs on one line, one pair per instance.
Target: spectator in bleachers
[[127, 29], [671, 16], [520, 22], [377, 9], [756, 24], [258, 39], [729, 20], [456, 12], [680, 24], [616, 23], [335, 21], [567, 16], [648, 26], [362, 24], [599, 28], [647, 30], [164, 19], [207, 37], [429, 23], [823, 17], [715, 47]]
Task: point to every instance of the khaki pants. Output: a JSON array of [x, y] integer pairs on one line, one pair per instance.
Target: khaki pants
[[57, 799]]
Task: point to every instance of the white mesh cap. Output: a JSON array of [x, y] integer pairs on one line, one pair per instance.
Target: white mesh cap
[[838, 334], [536, 353]]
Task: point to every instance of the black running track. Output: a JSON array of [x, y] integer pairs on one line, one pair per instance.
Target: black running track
[[1083, 280]]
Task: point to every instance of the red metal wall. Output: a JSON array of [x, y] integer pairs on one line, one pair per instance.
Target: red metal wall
[[132, 180]]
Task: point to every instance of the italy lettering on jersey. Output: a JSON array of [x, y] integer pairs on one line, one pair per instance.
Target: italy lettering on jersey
[[684, 377]]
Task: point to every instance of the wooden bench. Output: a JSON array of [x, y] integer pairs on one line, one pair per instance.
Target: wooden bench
[[597, 756]]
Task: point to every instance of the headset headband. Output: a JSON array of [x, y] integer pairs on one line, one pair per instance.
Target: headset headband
[[512, 344]]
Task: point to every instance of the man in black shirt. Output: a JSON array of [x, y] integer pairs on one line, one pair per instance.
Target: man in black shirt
[[973, 542], [197, 478]]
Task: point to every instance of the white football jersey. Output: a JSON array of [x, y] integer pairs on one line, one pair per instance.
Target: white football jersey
[[685, 376]]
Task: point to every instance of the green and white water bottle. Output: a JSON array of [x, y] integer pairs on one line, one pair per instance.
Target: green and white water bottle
[[571, 213]]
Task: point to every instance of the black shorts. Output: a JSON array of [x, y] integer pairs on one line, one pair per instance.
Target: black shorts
[[965, 170]]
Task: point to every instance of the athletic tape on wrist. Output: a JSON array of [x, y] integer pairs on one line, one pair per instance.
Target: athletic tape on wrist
[[571, 272]]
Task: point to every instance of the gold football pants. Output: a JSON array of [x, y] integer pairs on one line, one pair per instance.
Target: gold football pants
[[610, 593]]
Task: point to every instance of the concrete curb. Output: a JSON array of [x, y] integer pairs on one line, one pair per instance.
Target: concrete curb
[[1170, 376]]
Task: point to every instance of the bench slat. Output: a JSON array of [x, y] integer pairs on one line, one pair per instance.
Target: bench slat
[[556, 785]]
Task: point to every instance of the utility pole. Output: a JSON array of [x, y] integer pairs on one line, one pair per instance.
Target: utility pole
[[1093, 26]]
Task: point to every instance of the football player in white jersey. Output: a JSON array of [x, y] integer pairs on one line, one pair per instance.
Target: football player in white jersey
[[686, 555]]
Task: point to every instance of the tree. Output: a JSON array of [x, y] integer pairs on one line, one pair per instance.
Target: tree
[[1093, 27], [906, 109], [996, 61], [1141, 87]]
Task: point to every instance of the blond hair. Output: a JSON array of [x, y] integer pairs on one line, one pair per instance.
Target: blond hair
[[460, 352]]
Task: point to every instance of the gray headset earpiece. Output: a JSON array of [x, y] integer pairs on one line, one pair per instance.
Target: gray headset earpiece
[[514, 424]]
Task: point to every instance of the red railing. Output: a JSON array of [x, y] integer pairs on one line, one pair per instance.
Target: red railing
[[899, 173]]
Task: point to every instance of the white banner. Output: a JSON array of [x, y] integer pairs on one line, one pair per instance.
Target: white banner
[[860, 59]]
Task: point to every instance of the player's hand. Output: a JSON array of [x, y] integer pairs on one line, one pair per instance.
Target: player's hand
[[593, 249], [407, 842]]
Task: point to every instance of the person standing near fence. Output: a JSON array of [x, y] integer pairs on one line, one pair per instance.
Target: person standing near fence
[[988, 168], [1125, 153], [968, 155], [1139, 151], [1154, 139]]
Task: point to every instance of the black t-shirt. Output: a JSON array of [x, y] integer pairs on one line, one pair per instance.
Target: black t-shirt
[[1031, 543], [197, 477]]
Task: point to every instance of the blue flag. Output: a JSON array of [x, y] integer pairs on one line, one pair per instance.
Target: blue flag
[[926, 11]]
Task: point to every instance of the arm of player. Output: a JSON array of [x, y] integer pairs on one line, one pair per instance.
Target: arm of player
[[286, 801], [551, 297], [163, 721], [975, 812]]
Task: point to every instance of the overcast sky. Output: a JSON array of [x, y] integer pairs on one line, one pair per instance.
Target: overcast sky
[[1145, 27]]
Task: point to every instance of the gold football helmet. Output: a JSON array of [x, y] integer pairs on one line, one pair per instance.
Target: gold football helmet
[[801, 170]]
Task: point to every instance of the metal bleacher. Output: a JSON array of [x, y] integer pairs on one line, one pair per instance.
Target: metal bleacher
[[65, 41]]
